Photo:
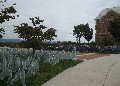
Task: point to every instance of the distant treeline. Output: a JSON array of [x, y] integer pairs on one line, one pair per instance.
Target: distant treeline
[[44, 45]]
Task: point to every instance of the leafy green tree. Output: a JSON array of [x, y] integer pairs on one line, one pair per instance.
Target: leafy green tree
[[88, 32], [108, 41], [114, 29], [36, 34], [5, 15], [49, 34], [83, 30], [1, 32], [78, 32]]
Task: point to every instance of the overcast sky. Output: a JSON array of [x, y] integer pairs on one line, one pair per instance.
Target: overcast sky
[[62, 15]]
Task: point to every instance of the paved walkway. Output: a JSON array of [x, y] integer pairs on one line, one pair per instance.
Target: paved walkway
[[103, 71], [90, 56]]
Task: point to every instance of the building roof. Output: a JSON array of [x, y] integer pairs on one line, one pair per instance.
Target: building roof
[[104, 11]]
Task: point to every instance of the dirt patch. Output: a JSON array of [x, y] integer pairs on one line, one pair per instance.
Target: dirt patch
[[91, 56]]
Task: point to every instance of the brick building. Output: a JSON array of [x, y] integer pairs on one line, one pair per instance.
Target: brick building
[[102, 21]]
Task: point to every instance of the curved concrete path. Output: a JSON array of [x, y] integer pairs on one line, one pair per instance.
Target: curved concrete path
[[103, 71]]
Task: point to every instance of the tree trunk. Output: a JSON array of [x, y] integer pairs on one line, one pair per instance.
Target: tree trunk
[[88, 42], [118, 42], [33, 51], [79, 39]]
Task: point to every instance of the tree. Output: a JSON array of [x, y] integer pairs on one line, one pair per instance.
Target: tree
[[88, 32], [108, 40], [78, 32], [49, 34], [1, 32], [5, 15], [114, 29], [34, 35], [83, 30]]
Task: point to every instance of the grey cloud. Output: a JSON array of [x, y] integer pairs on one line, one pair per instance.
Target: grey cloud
[[62, 15]]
